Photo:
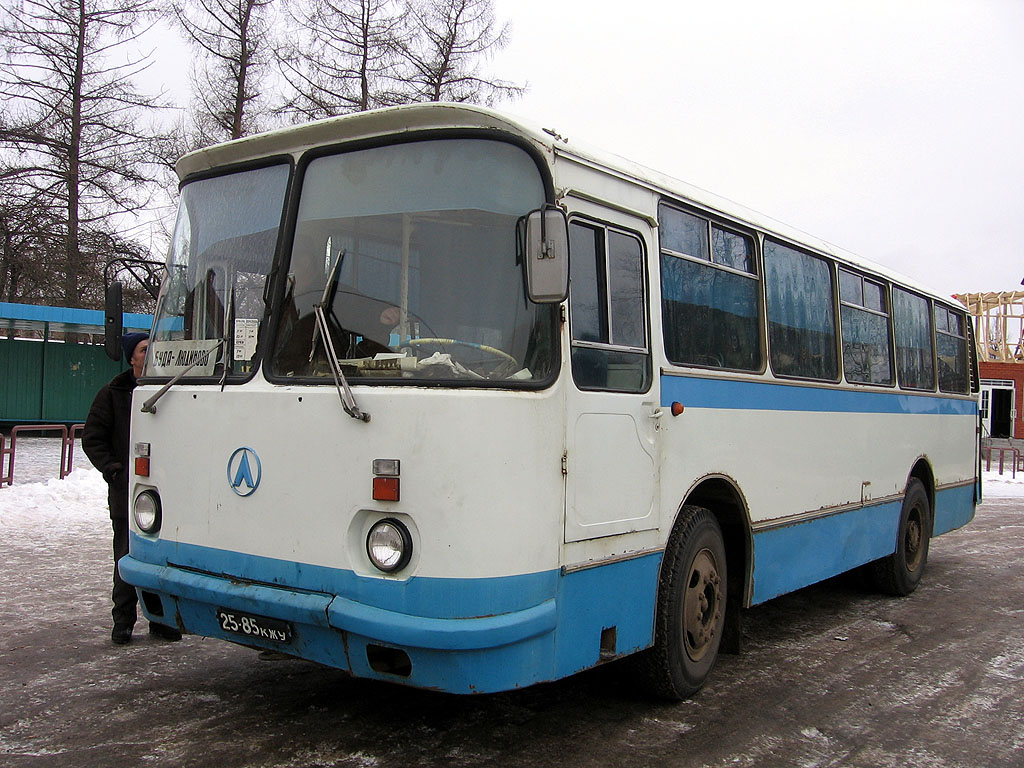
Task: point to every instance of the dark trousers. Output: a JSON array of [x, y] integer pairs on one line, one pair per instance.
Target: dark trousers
[[123, 594]]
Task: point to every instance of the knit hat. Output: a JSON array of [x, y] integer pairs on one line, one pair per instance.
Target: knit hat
[[130, 341]]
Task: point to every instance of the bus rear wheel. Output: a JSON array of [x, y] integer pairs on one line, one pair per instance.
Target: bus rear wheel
[[691, 608], [900, 573]]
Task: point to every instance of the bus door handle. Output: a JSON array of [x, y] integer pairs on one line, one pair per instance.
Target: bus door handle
[[655, 417]]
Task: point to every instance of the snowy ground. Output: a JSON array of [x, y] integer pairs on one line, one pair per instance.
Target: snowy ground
[[39, 498]]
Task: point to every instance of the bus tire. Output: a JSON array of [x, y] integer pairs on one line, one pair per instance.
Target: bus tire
[[690, 617], [899, 573]]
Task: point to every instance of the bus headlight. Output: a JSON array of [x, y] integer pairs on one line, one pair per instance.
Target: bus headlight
[[147, 511], [389, 545]]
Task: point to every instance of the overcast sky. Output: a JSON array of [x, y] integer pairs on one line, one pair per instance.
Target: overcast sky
[[891, 128]]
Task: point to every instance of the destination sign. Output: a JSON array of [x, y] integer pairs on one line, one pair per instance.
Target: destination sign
[[169, 358]]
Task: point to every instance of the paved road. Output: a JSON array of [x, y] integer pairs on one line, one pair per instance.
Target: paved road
[[830, 676]]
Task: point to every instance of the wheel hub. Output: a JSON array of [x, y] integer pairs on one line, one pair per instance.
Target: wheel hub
[[702, 604], [912, 541]]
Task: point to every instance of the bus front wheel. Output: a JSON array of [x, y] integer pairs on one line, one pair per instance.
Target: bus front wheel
[[899, 573], [691, 607]]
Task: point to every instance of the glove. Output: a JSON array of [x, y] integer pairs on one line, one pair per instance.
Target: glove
[[111, 472]]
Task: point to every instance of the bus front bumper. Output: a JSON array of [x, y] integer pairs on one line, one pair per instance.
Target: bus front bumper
[[460, 655]]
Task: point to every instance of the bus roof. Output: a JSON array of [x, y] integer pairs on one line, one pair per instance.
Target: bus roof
[[411, 118], [390, 121]]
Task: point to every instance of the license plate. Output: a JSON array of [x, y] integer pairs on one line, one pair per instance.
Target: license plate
[[247, 625]]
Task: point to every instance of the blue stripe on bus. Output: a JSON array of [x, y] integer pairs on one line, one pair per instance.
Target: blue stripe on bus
[[696, 392], [462, 635], [427, 597], [793, 556], [954, 508]]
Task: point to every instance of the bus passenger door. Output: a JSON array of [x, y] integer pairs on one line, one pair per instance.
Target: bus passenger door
[[612, 407]]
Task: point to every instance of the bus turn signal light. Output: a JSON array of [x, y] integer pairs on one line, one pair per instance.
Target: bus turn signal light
[[677, 408], [385, 488]]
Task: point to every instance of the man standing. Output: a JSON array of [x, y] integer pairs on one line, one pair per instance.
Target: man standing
[[105, 441]]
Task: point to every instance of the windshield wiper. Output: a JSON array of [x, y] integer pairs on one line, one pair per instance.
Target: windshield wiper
[[150, 405], [348, 401], [326, 299]]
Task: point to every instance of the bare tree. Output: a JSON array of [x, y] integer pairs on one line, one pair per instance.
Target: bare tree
[[233, 38], [353, 55], [24, 255], [450, 41], [343, 59], [73, 150]]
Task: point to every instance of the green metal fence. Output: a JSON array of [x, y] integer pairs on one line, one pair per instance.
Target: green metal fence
[[51, 381], [54, 380]]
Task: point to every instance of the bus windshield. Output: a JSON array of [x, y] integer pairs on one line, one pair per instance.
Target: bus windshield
[[212, 301], [404, 267]]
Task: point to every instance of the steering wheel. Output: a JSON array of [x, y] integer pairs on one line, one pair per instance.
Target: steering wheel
[[505, 356]]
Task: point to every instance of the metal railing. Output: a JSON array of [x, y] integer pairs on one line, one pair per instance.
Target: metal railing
[[1016, 458], [67, 448]]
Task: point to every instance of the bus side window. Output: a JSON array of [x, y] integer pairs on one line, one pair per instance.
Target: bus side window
[[609, 331], [951, 351], [801, 314], [867, 330], [914, 353], [710, 294]]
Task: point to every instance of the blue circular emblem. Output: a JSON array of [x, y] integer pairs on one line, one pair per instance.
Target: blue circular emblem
[[244, 471]]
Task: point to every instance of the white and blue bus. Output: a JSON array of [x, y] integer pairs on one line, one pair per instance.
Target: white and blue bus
[[442, 399]]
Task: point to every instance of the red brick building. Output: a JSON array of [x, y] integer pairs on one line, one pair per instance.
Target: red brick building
[[1002, 399]]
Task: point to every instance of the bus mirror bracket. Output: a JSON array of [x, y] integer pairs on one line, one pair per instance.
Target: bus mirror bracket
[[113, 320], [547, 255]]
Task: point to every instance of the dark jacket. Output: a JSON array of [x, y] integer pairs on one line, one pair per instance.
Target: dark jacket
[[105, 439]]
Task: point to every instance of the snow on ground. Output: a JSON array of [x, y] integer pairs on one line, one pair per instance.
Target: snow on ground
[[81, 497], [1002, 487], [39, 498]]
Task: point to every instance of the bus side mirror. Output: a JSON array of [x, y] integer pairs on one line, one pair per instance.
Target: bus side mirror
[[112, 321], [547, 255]]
